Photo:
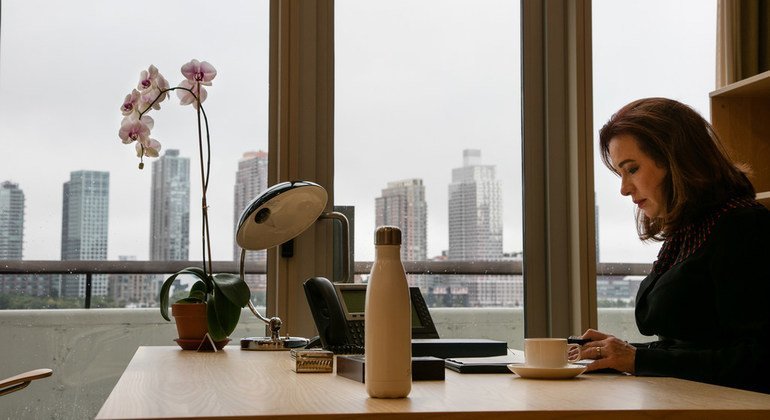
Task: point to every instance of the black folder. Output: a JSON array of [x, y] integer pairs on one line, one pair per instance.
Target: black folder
[[495, 364]]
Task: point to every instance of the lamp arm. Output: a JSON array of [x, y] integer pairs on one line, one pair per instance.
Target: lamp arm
[[275, 323], [345, 241], [243, 276]]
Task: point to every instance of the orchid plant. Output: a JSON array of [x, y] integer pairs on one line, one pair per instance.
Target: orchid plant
[[224, 293]]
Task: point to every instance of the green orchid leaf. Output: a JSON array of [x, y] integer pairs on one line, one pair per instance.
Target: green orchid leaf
[[233, 287], [198, 291], [198, 285], [200, 274], [216, 331], [166, 287], [164, 291], [223, 315]]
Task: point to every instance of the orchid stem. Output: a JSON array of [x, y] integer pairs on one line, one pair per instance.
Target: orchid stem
[[204, 183], [205, 170]]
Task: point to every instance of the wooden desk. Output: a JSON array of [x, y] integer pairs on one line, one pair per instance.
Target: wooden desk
[[168, 382]]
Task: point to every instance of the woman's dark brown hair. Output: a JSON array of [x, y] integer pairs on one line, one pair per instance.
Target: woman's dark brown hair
[[699, 173]]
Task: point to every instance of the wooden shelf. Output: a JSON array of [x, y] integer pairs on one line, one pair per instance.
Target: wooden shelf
[[740, 114], [758, 85]]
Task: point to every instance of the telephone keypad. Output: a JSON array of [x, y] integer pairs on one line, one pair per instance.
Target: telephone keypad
[[356, 329]]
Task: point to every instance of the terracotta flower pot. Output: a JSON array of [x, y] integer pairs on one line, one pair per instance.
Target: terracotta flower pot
[[192, 325], [191, 321]]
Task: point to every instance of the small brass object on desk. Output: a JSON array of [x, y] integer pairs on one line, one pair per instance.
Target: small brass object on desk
[[312, 361]]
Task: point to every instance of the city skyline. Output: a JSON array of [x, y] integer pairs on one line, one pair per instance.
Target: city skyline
[[170, 201], [406, 103], [474, 179]]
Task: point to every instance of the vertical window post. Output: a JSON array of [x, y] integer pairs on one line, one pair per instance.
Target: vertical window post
[[559, 251], [301, 144]]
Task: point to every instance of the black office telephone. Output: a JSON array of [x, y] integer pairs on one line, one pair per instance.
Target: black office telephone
[[338, 311]]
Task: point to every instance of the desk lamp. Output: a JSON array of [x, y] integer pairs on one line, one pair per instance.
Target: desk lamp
[[277, 215]]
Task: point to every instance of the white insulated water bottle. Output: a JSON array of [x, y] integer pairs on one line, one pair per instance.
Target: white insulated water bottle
[[388, 315]]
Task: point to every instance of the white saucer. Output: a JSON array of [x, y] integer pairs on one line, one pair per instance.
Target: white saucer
[[569, 371]]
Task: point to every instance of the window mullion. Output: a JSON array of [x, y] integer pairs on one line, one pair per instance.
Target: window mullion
[[556, 142], [301, 144]]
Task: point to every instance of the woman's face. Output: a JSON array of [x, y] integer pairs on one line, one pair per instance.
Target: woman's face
[[640, 176]]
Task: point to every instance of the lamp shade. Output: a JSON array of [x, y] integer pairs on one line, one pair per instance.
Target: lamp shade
[[279, 214]]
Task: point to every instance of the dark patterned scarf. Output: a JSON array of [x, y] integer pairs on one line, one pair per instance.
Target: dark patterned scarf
[[691, 237]]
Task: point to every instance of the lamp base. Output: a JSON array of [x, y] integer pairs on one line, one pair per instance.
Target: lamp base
[[270, 344]]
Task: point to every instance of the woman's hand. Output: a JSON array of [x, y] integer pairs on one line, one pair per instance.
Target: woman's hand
[[608, 352]]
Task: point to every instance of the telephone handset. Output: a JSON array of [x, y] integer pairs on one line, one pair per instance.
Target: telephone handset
[[335, 332], [338, 310]]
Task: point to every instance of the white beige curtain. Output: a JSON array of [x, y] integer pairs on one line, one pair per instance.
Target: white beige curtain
[[743, 39]]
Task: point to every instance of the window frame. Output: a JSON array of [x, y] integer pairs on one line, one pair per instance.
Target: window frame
[[560, 289]]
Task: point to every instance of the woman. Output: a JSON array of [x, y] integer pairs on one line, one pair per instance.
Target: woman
[[707, 295]]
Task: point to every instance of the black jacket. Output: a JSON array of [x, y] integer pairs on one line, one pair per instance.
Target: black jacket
[[711, 311]]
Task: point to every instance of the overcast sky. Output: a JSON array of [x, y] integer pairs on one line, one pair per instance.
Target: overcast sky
[[416, 83]]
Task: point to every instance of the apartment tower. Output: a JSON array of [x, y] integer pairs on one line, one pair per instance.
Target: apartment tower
[[12, 244], [170, 208], [11, 221], [85, 212], [476, 229], [250, 180], [403, 204], [475, 211]]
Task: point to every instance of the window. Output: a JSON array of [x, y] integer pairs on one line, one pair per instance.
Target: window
[[428, 138], [64, 71], [641, 49]]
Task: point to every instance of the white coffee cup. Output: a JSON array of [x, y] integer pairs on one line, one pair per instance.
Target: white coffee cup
[[548, 352]]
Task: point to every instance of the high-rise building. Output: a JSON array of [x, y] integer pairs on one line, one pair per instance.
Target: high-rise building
[[476, 229], [12, 244], [402, 204], [85, 213], [170, 208], [11, 221], [475, 211], [250, 180]]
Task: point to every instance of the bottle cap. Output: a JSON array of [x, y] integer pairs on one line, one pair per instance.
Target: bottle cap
[[387, 235]]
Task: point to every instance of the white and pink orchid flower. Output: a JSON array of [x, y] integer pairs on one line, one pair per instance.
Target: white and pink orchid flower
[[151, 85], [150, 148], [133, 129], [199, 72], [151, 78], [187, 98], [153, 89], [149, 96], [130, 103]]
